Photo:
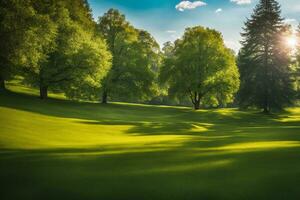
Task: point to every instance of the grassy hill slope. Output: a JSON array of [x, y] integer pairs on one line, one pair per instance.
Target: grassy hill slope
[[58, 149]]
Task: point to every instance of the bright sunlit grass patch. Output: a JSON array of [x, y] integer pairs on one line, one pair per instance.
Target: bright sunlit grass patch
[[259, 145], [293, 116]]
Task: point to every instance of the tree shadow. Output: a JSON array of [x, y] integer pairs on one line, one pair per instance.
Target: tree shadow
[[225, 125], [227, 154], [176, 173]]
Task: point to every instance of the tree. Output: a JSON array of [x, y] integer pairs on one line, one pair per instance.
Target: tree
[[264, 60], [76, 56], [95, 61], [134, 58], [201, 67], [137, 70], [18, 23], [81, 12], [112, 26], [298, 63], [168, 48]]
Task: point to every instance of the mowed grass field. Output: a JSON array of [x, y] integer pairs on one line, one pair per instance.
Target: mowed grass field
[[59, 149]]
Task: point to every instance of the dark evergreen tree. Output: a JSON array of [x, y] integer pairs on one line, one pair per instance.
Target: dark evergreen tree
[[298, 63], [264, 60]]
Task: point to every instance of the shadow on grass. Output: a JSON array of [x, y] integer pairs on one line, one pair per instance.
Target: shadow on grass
[[178, 173], [149, 119], [230, 154], [223, 126], [229, 125]]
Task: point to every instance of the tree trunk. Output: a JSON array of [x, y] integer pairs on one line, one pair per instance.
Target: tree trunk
[[197, 105], [266, 110], [2, 83], [266, 79], [104, 97], [266, 105], [43, 92], [195, 98]]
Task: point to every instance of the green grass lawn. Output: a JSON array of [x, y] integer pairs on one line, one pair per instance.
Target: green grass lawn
[[58, 149]]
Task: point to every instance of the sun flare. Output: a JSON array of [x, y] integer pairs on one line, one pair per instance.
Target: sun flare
[[292, 42]]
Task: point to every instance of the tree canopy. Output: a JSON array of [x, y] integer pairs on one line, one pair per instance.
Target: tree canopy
[[264, 60], [56, 45], [298, 63], [135, 55], [201, 67], [20, 27], [72, 57]]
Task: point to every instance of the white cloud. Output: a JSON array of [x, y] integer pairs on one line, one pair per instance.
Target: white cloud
[[241, 2], [188, 5], [218, 10], [171, 31]]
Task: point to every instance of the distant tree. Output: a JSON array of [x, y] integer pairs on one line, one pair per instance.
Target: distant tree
[[163, 96], [137, 69], [168, 49], [264, 60], [113, 27], [201, 67], [134, 53]]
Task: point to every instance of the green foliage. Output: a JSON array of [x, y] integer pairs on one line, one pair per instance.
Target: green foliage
[[297, 70], [77, 60], [138, 69], [81, 13], [135, 59], [18, 20], [95, 60], [201, 67], [264, 60]]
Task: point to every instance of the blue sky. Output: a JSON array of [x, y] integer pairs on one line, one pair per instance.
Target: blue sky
[[167, 19]]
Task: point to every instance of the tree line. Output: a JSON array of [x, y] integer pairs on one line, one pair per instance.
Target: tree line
[[56, 45]]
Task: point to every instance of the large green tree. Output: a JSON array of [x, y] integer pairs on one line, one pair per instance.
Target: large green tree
[[201, 67], [264, 60], [134, 59], [76, 57], [21, 29]]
